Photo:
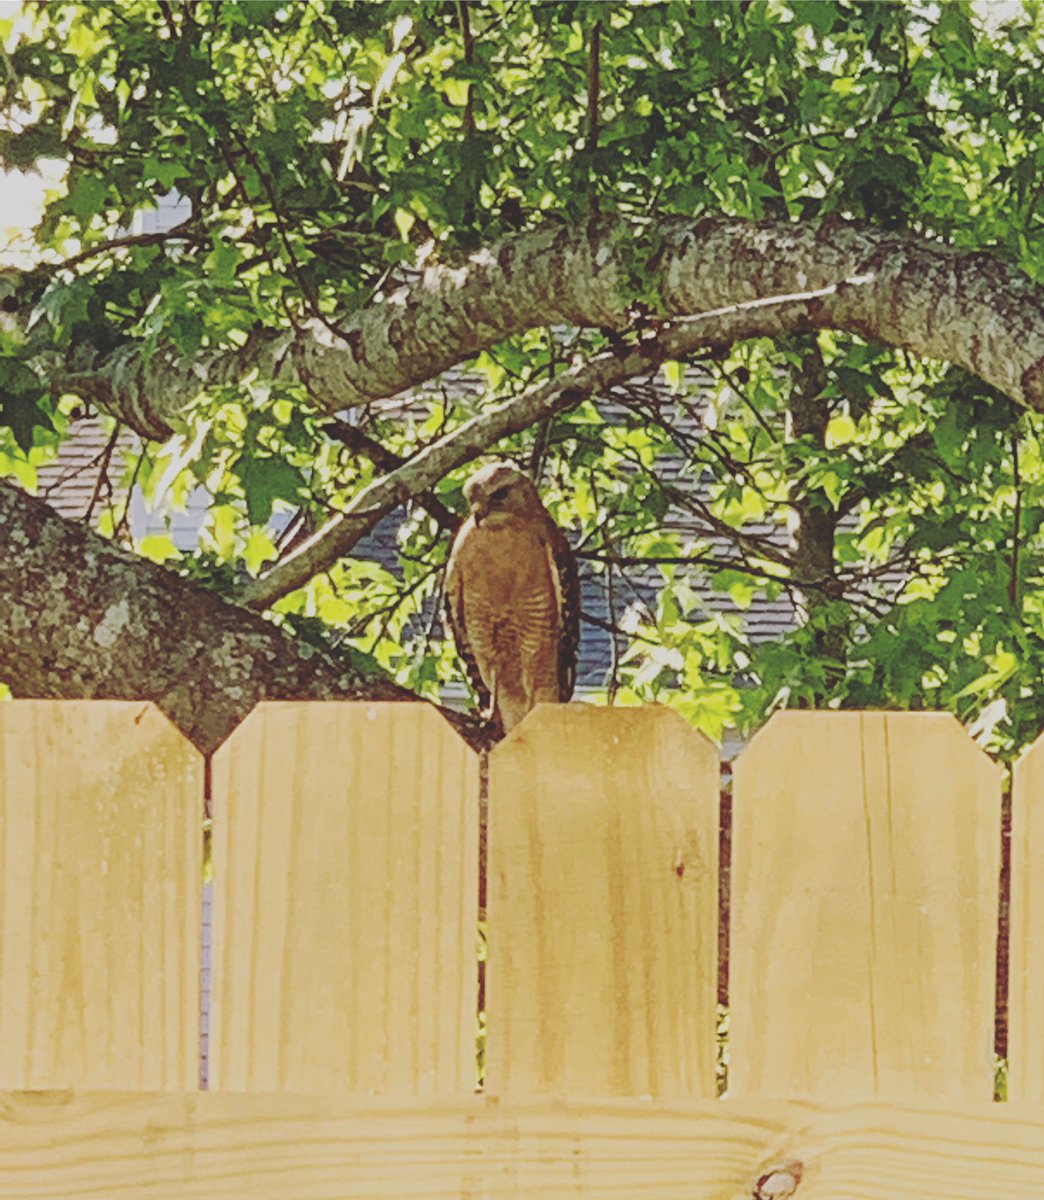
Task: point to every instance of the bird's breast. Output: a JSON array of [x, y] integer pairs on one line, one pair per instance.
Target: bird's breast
[[506, 561]]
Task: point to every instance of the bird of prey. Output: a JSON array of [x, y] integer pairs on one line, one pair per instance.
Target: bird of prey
[[512, 597]]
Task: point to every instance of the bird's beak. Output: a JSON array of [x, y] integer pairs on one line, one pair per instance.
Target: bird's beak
[[481, 512]]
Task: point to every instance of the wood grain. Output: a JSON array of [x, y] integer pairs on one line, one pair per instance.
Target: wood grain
[[602, 905], [101, 829], [345, 901], [864, 910], [223, 1146], [1025, 960]]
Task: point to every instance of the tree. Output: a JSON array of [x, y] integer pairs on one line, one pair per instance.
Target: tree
[[816, 222]]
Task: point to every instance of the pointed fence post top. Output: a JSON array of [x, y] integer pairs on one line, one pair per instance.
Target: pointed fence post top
[[809, 727]]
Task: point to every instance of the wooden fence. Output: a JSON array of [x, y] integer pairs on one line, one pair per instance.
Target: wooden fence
[[345, 872]]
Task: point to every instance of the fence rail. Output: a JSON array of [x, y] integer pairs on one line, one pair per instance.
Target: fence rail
[[864, 878]]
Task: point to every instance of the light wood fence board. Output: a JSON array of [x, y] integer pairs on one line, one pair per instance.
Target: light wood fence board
[[864, 909], [345, 902], [603, 833], [1026, 944], [101, 810], [224, 1146]]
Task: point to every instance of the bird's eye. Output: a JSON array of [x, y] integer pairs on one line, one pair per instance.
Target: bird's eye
[[499, 494]]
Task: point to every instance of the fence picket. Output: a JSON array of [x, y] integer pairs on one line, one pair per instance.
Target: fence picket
[[602, 905], [345, 901], [101, 808], [864, 910]]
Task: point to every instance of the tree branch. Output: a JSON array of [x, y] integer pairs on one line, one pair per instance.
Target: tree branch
[[936, 301], [476, 436], [179, 233], [83, 618], [387, 460]]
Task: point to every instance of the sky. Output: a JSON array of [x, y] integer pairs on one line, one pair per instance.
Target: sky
[[21, 193]]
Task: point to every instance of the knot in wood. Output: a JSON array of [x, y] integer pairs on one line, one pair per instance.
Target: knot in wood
[[779, 1182]]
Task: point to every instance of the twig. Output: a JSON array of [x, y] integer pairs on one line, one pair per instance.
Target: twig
[[469, 110], [760, 546], [387, 460], [610, 627], [594, 87], [755, 412], [121, 528], [168, 16], [65, 476], [103, 473], [543, 434], [176, 234], [436, 613], [389, 610], [307, 291], [634, 635], [774, 301]]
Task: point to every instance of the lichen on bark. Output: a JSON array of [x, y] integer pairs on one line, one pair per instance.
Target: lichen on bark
[[82, 618], [937, 301]]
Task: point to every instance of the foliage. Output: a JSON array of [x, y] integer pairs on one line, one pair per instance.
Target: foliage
[[326, 147]]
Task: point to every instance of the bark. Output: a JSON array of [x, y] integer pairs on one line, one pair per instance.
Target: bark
[[964, 307], [387, 460], [816, 518], [421, 472], [83, 618]]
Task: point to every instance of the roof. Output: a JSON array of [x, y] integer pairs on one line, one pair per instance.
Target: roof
[[76, 479], [75, 483], [86, 474]]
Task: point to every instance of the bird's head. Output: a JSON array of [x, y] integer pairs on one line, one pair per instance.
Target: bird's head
[[499, 491]]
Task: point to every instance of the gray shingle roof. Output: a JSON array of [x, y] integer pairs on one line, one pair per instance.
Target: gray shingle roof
[[82, 473], [70, 482]]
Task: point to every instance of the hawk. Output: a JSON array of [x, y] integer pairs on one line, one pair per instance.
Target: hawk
[[512, 597]]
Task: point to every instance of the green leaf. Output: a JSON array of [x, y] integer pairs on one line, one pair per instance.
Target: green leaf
[[456, 91], [87, 194], [265, 480], [674, 373], [158, 548], [404, 222], [22, 404], [840, 431], [258, 550]]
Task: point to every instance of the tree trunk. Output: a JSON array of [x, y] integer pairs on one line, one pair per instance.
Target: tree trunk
[[816, 519], [82, 618]]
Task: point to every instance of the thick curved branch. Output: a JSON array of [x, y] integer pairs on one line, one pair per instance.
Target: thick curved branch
[[959, 306], [756, 318], [82, 618]]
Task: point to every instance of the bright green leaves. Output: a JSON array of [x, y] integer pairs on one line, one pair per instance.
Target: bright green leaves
[[165, 172], [318, 147]]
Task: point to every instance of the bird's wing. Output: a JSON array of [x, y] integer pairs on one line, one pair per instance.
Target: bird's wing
[[458, 625], [567, 592]]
